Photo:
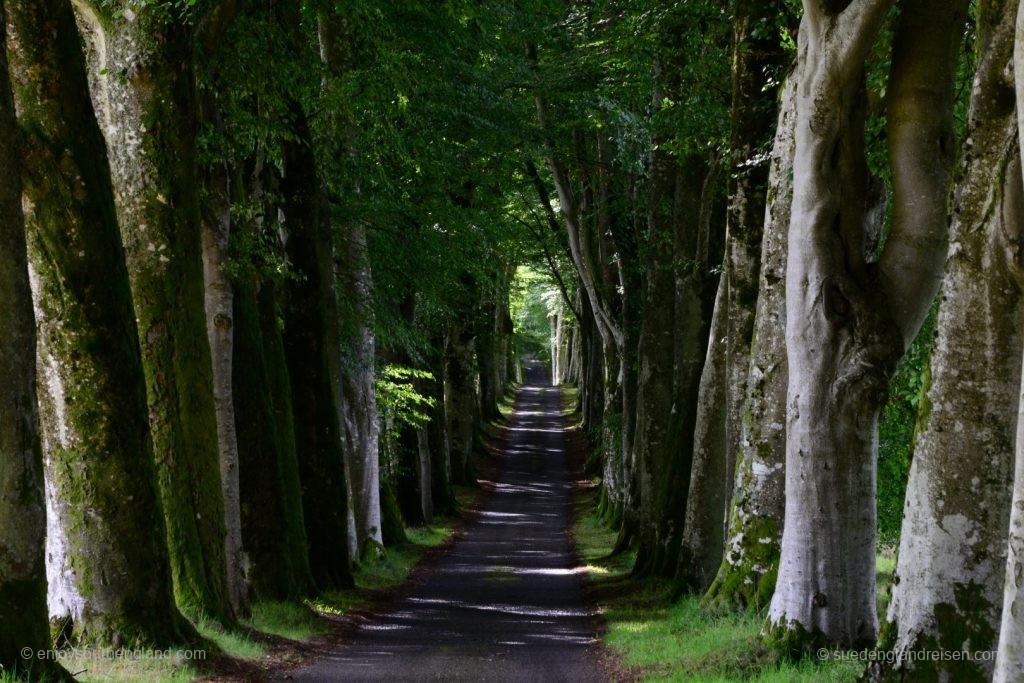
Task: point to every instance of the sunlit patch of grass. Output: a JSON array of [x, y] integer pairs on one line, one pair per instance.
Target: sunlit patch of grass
[[507, 404], [291, 620], [391, 569], [661, 640], [884, 570], [570, 398]]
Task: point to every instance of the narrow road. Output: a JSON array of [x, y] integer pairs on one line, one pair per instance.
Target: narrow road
[[505, 604]]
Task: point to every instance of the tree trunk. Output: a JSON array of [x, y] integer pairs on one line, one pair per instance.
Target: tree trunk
[[947, 593], [109, 571], [704, 527], [361, 423], [309, 330], [461, 406], [271, 505], [757, 59], [22, 507], [442, 497], [849, 316], [653, 444], [1010, 660], [141, 68], [746, 577], [219, 303]]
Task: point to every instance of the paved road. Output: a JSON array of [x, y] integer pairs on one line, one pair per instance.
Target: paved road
[[505, 604]]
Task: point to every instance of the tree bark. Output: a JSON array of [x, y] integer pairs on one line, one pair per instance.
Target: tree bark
[[1010, 660], [461, 405], [310, 329], [757, 61], [219, 304], [109, 571], [746, 577], [849, 318], [704, 526], [22, 505], [947, 593], [143, 90], [358, 377]]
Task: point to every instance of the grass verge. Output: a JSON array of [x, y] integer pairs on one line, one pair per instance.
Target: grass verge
[[277, 635], [655, 639]]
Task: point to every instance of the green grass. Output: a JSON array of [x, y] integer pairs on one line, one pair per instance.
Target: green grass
[[658, 640]]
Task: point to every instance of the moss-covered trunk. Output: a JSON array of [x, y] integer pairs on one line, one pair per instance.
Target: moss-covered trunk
[[109, 566], [947, 594], [143, 88], [273, 529], [22, 509], [307, 334], [746, 577], [757, 60], [460, 401]]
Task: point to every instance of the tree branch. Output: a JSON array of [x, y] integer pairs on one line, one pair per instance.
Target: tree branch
[[921, 155]]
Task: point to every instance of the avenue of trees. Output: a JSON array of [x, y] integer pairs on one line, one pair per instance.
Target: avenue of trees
[[262, 261]]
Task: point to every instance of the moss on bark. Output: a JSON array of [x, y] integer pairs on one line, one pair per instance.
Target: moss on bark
[[99, 452]]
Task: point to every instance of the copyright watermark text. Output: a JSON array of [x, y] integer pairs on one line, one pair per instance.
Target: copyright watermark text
[[111, 654], [899, 656]]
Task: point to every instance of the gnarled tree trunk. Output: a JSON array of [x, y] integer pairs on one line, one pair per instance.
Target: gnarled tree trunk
[[849, 316]]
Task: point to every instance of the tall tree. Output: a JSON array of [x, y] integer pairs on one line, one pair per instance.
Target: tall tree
[[143, 88], [22, 509], [757, 59], [108, 547], [1010, 660], [851, 314], [953, 543], [746, 577], [339, 51]]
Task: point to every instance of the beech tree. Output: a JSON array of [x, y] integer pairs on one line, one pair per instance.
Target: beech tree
[[22, 507], [851, 313], [1009, 664], [92, 403], [952, 555], [142, 73], [757, 60], [746, 577]]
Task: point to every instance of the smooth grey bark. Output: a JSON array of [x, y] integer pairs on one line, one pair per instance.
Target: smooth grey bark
[[110, 574], [704, 525], [746, 577], [22, 507], [850, 318], [947, 593], [358, 377], [219, 303]]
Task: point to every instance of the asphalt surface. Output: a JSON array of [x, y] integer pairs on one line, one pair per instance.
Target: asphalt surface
[[506, 602]]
